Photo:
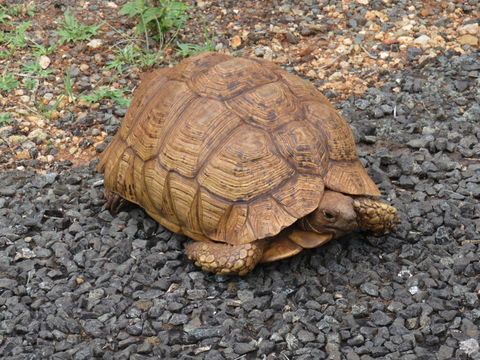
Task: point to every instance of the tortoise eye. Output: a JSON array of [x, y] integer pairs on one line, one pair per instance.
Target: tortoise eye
[[328, 215]]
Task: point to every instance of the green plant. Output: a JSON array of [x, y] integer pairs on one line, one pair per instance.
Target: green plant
[[187, 50], [5, 118], [39, 50], [34, 68], [126, 55], [100, 94], [14, 11], [28, 9], [149, 59], [4, 17], [71, 30], [15, 38], [193, 49], [30, 84], [8, 82], [156, 17], [131, 54], [5, 53], [68, 84], [47, 110], [18, 10]]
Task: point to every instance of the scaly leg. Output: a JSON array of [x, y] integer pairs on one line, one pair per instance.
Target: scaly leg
[[225, 259], [115, 203], [375, 216]]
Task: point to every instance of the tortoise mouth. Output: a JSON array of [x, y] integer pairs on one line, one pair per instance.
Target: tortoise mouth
[[328, 229]]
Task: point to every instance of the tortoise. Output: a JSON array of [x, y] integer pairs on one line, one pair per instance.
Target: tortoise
[[249, 160]]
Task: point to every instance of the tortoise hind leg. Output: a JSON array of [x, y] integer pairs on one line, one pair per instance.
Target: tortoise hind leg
[[226, 259], [115, 203]]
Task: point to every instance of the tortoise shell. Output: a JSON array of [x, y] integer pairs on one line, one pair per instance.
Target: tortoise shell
[[230, 149]]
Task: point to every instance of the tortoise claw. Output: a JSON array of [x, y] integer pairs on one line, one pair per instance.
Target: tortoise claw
[[115, 203], [376, 216]]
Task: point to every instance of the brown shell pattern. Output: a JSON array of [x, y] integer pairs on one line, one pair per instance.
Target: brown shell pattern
[[230, 149]]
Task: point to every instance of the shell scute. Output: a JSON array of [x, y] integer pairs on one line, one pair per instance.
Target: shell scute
[[304, 145], [247, 166], [230, 78], [340, 141], [198, 131], [154, 119], [267, 106]]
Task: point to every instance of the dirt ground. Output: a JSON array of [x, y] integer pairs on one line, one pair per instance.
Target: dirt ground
[[343, 48]]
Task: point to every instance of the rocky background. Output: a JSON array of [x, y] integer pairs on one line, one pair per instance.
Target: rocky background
[[77, 283]]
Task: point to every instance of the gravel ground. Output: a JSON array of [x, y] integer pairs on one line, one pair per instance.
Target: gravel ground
[[77, 283]]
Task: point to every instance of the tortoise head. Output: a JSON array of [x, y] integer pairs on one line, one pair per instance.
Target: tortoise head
[[339, 214], [335, 215]]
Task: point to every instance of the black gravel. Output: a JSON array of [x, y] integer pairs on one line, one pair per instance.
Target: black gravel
[[77, 283]]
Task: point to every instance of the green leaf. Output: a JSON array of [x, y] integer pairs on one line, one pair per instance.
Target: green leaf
[[156, 20], [133, 8], [8, 82], [5, 118], [115, 95], [72, 31]]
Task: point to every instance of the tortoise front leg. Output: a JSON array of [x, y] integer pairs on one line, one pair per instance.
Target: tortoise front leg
[[225, 259], [375, 216]]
